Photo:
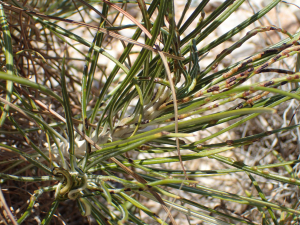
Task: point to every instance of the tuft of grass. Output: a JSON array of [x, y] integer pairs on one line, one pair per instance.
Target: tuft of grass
[[108, 115]]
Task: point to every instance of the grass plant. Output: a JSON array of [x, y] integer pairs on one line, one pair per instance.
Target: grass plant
[[84, 142]]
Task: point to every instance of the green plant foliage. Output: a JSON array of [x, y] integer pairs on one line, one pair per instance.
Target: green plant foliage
[[74, 131]]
